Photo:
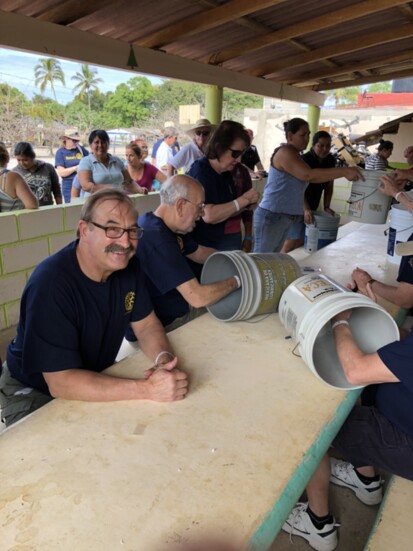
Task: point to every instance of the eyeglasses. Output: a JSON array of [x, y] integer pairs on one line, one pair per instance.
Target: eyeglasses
[[204, 133], [199, 206], [115, 232], [235, 153]]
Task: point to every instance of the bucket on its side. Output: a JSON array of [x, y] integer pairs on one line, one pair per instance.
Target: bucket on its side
[[401, 228], [264, 276], [367, 203], [306, 309], [322, 232]]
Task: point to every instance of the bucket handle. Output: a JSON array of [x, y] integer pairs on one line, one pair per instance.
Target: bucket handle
[[386, 231], [350, 202]]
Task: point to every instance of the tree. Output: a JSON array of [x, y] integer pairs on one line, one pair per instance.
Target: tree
[[131, 103], [379, 88], [346, 96], [234, 104], [47, 72], [172, 93], [15, 123], [87, 81]]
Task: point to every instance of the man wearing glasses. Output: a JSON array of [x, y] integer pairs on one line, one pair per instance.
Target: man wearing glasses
[[75, 310], [194, 150], [67, 160], [164, 252]]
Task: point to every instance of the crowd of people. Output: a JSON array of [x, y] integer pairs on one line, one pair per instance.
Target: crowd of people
[[149, 290]]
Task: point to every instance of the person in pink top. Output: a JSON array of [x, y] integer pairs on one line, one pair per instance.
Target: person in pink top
[[142, 173]]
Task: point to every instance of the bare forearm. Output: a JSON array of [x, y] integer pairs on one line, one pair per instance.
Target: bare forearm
[[198, 295], [81, 384], [401, 295]]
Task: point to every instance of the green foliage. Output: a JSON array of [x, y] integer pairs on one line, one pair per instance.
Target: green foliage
[[77, 114], [380, 87], [46, 72], [131, 103], [346, 96], [234, 104], [86, 82], [172, 93], [12, 99]]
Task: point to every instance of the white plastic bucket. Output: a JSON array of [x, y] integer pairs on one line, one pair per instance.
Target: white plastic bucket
[[401, 228], [322, 232], [264, 276], [367, 203], [306, 308]]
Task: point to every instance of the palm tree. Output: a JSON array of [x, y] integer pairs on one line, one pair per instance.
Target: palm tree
[[87, 81], [47, 72]]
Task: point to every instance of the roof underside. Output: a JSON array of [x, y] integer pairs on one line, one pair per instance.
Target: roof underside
[[314, 45]]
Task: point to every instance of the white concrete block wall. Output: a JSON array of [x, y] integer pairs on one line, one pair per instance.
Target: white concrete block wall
[[28, 237]]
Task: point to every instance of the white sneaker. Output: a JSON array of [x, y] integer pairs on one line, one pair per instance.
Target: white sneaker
[[344, 474], [299, 524]]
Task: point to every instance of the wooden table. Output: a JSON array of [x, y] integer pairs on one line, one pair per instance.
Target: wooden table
[[234, 456]]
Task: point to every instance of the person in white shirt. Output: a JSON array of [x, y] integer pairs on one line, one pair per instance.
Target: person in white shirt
[[165, 151]]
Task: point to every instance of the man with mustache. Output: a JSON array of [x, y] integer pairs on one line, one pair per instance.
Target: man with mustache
[[74, 313], [168, 253]]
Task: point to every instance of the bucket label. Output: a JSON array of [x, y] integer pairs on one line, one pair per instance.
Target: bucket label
[[355, 208], [391, 243], [314, 288]]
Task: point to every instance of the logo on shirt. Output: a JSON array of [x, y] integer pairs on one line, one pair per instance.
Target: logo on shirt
[[129, 301]]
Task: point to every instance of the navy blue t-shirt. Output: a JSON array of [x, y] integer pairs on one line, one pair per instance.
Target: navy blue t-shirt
[[161, 253], [68, 321], [219, 189], [68, 158], [395, 400], [313, 192], [406, 268]]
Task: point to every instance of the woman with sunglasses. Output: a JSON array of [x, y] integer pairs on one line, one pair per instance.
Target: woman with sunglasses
[[283, 200], [143, 174], [67, 160], [220, 225], [194, 150]]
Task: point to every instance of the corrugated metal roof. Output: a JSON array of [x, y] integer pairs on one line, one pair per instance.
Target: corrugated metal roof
[[304, 40]]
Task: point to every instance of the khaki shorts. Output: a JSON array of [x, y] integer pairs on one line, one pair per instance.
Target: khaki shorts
[[16, 399]]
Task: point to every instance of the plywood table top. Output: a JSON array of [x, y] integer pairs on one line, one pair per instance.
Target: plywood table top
[[233, 456]]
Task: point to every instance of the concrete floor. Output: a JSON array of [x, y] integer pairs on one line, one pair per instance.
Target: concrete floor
[[355, 518]]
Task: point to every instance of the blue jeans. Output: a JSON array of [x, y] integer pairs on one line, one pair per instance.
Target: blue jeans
[[271, 230], [66, 191]]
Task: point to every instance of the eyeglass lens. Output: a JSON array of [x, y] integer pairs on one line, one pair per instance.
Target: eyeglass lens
[[203, 133]]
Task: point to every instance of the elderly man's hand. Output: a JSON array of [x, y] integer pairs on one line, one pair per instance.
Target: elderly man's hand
[[166, 383]]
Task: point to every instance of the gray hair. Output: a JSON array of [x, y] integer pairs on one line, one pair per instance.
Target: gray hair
[[176, 187], [170, 131]]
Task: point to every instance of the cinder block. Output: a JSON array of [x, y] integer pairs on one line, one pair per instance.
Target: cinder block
[[12, 313], [146, 203], [26, 255], [8, 228], [2, 319], [43, 221], [57, 242], [72, 215], [11, 287]]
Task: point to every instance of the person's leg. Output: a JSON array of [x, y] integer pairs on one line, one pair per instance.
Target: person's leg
[[295, 236], [317, 488], [66, 191], [270, 230], [16, 399]]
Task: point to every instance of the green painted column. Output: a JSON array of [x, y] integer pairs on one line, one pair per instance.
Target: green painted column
[[313, 118], [213, 103]]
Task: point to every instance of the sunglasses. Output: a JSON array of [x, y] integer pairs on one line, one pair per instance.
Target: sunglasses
[[203, 133], [235, 153]]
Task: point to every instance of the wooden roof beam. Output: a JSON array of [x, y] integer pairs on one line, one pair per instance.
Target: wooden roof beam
[[407, 55], [382, 77], [234, 9], [340, 48], [313, 25]]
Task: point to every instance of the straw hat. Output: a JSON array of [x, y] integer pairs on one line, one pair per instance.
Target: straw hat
[[201, 123], [71, 133]]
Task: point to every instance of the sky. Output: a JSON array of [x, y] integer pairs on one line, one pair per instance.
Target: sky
[[17, 70]]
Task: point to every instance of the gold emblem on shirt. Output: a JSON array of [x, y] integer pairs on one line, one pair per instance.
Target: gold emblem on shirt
[[129, 301]]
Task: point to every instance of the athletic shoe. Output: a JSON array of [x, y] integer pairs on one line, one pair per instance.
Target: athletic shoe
[[299, 524], [344, 474]]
